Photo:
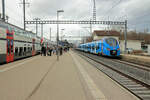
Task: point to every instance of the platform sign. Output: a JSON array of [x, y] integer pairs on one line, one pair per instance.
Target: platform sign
[[42, 41]]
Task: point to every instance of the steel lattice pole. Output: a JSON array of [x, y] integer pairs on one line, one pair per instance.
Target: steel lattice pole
[[3, 9]]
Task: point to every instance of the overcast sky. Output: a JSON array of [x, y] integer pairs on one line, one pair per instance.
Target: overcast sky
[[137, 12]]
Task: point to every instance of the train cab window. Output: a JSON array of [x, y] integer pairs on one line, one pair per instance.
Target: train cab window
[[25, 49], [112, 42]]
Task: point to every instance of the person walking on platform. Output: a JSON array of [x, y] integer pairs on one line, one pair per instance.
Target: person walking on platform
[[42, 50], [57, 50], [65, 49], [50, 51], [61, 50], [54, 50]]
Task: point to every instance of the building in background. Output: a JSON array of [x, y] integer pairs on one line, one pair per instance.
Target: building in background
[[99, 34], [133, 44], [149, 49]]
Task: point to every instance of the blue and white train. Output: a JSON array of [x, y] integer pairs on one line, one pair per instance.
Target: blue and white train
[[107, 46]]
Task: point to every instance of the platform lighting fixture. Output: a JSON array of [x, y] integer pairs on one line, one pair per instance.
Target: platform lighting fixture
[[62, 33]]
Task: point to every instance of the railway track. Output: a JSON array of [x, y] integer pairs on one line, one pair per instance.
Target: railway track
[[140, 66], [137, 62], [126, 74]]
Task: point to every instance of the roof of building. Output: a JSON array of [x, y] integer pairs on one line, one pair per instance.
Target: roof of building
[[106, 33]]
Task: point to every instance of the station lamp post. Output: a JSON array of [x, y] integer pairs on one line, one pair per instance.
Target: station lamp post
[[58, 11]]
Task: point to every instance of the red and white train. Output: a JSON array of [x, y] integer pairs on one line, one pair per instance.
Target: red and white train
[[15, 43]]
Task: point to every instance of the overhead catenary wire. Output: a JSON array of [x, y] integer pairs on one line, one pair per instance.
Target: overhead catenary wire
[[115, 5], [13, 13], [111, 8]]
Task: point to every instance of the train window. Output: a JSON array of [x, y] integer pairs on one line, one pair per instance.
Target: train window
[[97, 47], [20, 51], [93, 47], [25, 49], [28, 49], [86, 47], [16, 50]]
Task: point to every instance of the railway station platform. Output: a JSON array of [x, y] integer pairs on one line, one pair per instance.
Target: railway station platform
[[70, 78], [144, 60]]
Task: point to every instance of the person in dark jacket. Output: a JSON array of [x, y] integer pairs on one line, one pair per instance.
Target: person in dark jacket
[[42, 50], [61, 50], [50, 51]]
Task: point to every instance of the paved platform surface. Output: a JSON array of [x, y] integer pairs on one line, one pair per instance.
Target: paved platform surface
[[44, 78], [145, 60]]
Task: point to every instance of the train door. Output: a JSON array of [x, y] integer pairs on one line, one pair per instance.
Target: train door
[[96, 45], [9, 46], [33, 47], [102, 47]]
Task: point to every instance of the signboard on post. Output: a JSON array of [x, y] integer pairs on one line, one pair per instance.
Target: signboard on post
[[42, 41]]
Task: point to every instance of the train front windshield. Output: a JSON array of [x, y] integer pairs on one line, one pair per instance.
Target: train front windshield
[[112, 42]]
